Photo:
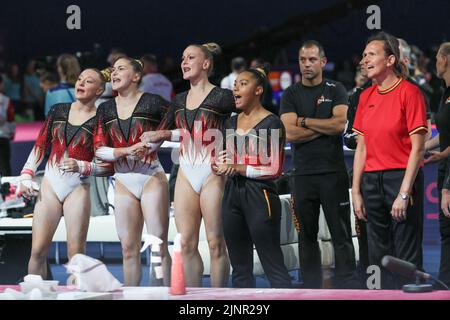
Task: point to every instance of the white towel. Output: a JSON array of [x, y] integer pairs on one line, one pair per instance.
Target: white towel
[[91, 274]]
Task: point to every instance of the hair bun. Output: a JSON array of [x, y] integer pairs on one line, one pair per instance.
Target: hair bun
[[213, 47], [106, 74]]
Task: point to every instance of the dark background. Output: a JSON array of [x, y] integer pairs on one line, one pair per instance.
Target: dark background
[[38, 28]]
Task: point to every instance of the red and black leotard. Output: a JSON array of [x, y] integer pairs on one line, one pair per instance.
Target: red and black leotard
[[262, 148], [118, 133], [113, 132], [211, 114], [63, 140], [199, 129], [251, 208]]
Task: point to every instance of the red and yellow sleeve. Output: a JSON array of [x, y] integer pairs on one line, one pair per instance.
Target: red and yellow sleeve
[[357, 125], [415, 111]]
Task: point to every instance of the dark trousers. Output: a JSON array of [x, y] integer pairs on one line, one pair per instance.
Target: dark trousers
[[361, 231], [251, 213], [403, 239], [444, 228], [363, 247], [331, 191], [5, 156]]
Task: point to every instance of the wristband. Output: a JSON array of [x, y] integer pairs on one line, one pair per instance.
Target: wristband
[[27, 171], [175, 135], [105, 153], [252, 173], [84, 167]]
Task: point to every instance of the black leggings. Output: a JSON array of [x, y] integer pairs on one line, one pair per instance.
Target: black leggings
[[251, 212]]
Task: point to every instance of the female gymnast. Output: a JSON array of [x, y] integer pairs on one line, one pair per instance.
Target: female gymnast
[[198, 113], [141, 192], [67, 134], [251, 207]]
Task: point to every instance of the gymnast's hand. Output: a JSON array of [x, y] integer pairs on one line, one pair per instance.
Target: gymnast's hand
[[138, 150], [69, 165], [225, 169], [224, 165], [152, 136], [25, 187]]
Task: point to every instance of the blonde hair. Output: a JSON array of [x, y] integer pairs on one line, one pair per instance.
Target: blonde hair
[[210, 50], [104, 75], [444, 48], [69, 66]]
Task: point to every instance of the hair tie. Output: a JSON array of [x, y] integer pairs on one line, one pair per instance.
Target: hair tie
[[263, 73], [140, 63], [106, 74]]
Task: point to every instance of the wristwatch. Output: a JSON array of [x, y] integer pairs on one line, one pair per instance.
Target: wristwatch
[[303, 122], [404, 196]]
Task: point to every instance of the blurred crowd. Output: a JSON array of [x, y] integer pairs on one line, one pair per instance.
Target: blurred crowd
[[33, 87]]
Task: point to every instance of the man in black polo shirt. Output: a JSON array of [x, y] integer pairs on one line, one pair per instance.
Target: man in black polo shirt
[[314, 114]]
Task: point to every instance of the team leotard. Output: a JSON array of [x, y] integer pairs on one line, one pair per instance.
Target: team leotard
[[120, 133], [197, 147], [65, 141]]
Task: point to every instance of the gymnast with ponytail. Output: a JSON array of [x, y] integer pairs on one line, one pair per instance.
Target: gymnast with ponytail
[[141, 193], [251, 209], [68, 135], [197, 114]]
